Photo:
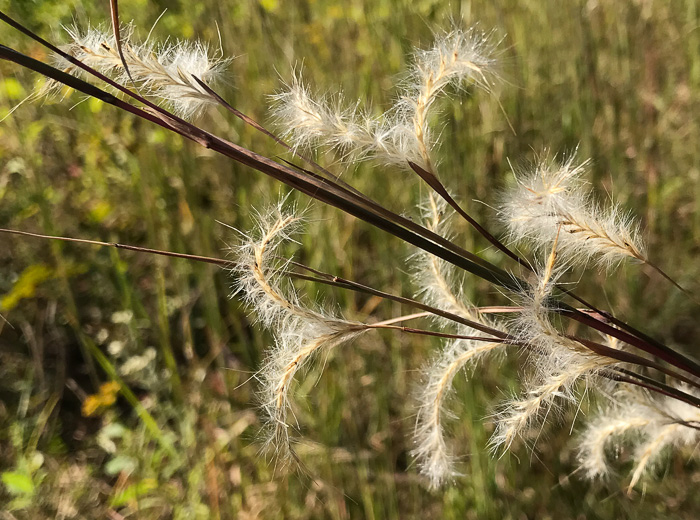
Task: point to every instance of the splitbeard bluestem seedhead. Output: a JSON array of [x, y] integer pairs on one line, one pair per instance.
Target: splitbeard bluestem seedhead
[[164, 72]]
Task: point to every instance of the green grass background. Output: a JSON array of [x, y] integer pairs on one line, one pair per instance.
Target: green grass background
[[620, 80]]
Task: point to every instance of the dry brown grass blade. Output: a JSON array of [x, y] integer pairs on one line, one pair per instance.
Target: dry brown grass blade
[[628, 357], [624, 375], [326, 279], [432, 181], [114, 12], [250, 121]]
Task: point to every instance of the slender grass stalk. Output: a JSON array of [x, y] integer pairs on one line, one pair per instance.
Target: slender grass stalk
[[114, 12]]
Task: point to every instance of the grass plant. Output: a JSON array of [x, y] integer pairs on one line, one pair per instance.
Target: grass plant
[[180, 440]]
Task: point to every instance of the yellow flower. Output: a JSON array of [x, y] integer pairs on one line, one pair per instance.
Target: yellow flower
[[105, 398], [90, 405]]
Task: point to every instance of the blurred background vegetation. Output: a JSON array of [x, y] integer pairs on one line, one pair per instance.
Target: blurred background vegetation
[[125, 379]]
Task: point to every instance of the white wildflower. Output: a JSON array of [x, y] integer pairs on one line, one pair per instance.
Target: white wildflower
[[136, 364], [115, 347], [122, 317]]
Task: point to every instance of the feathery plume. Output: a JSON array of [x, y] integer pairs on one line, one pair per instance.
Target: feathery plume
[[164, 72], [559, 362], [656, 421], [432, 453], [520, 414], [306, 120], [456, 58], [402, 133], [646, 453], [598, 433], [436, 279], [300, 333], [551, 200]]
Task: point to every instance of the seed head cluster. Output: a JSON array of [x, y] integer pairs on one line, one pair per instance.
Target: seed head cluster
[[652, 423], [551, 201], [301, 333], [550, 208]]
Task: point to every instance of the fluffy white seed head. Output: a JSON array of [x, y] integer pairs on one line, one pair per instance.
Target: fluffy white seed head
[[649, 422], [541, 398], [165, 72], [258, 273], [300, 332], [533, 325], [557, 362], [607, 236], [435, 459], [438, 287], [437, 280], [457, 58], [306, 119], [551, 200], [593, 444], [541, 190], [294, 349], [402, 133]]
